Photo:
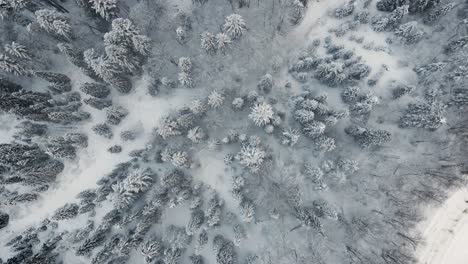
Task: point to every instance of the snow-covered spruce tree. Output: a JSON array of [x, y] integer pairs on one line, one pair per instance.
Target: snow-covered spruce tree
[[420, 6], [61, 149], [252, 157], [180, 159], [346, 10], [364, 105], [215, 99], [409, 33], [185, 64], [107, 70], [224, 251], [262, 114], [213, 211], [428, 115], [201, 241], [115, 114], [290, 137], [59, 82], [234, 26], [152, 249], [196, 134], [368, 138], [331, 73], [389, 5], [456, 44], [104, 130], [197, 217], [247, 210], [266, 83], [17, 50], [107, 9], [297, 11], [439, 12], [208, 42], [9, 7], [12, 66], [54, 23], [67, 211], [323, 209], [223, 41], [401, 90], [314, 129], [97, 90], [125, 45], [128, 190], [307, 218]]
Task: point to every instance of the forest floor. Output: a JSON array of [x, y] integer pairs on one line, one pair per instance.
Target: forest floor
[[445, 232]]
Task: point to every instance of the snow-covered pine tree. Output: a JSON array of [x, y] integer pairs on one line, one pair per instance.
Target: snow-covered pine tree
[[234, 26], [208, 42], [107, 9], [128, 190], [261, 114], [54, 23]]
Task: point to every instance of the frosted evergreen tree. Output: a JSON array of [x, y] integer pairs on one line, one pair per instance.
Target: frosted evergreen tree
[[297, 11], [17, 50], [97, 90], [185, 64], [197, 217], [368, 138], [436, 14], [324, 143], [107, 9], [181, 34], [213, 211], [290, 137], [409, 33], [103, 130], [419, 6], [152, 249], [247, 210], [223, 41], [428, 115], [252, 157], [115, 114], [180, 159], [234, 26], [266, 83], [314, 129], [201, 241], [208, 42], [196, 134], [456, 44], [168, 127], [185, 79], [215, 99], [128, 190], [197, 106], [331, 73], [53, 22], [67, 211], [304, 116], [10, 7], [261, 114], [12, 66]]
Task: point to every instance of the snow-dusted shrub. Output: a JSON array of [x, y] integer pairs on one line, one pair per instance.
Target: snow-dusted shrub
[[234, 26], [261, 114]]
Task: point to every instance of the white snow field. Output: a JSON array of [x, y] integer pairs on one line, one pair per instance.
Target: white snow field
[[445, 232]]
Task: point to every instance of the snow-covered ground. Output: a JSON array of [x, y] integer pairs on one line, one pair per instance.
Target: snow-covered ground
[[445, 232]]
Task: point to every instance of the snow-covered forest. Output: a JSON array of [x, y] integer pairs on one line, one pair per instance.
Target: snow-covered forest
[[228, 131]]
